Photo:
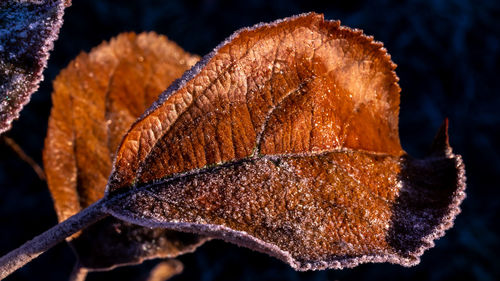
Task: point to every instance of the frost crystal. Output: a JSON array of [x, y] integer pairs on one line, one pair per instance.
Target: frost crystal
[[281, 141], [27, 32]]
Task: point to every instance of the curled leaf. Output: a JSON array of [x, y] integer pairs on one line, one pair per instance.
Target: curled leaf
[[285, 140], [27, 32], [96, 98]]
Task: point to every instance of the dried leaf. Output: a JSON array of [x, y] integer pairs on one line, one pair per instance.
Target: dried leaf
[[96, 98], [27, 32], [165, 270], [285, 140]]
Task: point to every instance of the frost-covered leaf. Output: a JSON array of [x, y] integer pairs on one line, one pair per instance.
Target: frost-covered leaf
[[285, 140], [27, 31], [96, 98]]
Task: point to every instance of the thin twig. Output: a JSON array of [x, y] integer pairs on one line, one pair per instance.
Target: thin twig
[[43, 242], [20, 152], [79, 272]]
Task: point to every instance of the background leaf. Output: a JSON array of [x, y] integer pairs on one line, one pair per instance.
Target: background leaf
[[284, 139], [27, 32], [165, 270], [95, 99]]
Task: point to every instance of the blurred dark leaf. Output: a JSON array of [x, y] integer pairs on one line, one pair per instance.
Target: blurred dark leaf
[[27, 32]]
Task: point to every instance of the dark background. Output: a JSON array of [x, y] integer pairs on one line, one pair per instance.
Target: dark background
[[448, 59]]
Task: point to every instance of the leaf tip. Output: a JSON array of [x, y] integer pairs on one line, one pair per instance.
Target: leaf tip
[[429, 200], [441, 143]]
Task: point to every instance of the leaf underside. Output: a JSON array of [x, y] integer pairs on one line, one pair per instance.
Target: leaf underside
[[332, 210], [111, 242], [96, 98], [27, 32], [285, 140]]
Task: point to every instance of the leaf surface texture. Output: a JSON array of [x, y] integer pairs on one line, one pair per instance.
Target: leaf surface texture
[[27, 32], [285, 140]]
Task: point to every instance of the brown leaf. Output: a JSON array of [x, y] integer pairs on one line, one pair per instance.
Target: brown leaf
[[285, 139], [27, 32], [96, 98], [165, 270], [304, 85]]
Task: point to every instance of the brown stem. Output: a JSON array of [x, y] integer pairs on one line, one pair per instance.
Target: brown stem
[[79, 273], [43, 242], [20, 152]]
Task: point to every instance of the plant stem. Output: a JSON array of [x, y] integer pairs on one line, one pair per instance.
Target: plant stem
[[79, 273], [23, 156], [43, 242]]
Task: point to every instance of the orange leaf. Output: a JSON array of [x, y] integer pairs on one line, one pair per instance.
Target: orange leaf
[[165, 270], [285, 139], [96, 98]]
